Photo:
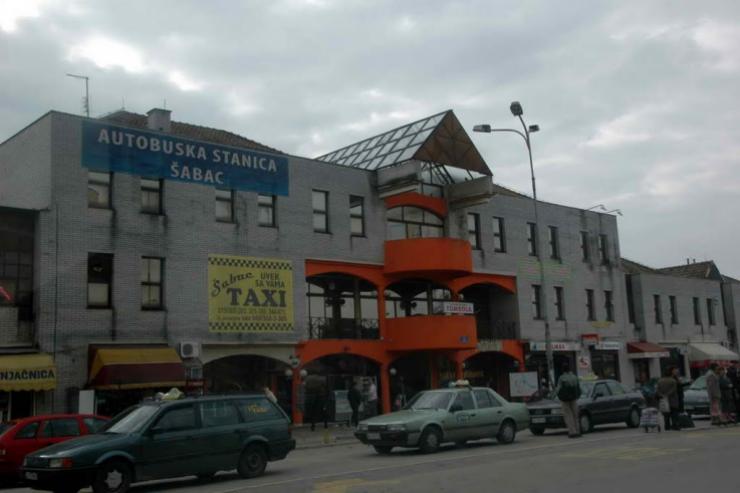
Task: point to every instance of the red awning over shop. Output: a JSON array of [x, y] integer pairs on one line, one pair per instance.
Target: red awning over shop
[[636, 350], [136, 368]]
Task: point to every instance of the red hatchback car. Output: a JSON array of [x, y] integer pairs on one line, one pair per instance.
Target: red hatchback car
[[23, 436]]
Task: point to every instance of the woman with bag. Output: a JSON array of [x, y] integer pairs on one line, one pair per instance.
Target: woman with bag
[[667, 390]]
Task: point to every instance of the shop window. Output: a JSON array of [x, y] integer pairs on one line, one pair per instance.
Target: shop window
[[585, 246], [28, 431], [98, 190], [554, 241], [413, 222], [151, 196], [697, 311], [177, 419], [710, 311], [603, 249], [532, 239], [499, 235], [674, 310], [56, 428], [258, 409], [151, 283], [590, 307], [320, 201], [536, 302], [609, 305], [414, 297], [605, 364], [658, 309], [357, 215], [266, 210], [474, 230], [219, 413], [225, 206], [99, 279], [559, 303], [342, 307]]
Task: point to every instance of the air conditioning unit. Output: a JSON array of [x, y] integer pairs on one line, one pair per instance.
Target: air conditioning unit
[[189, 349]]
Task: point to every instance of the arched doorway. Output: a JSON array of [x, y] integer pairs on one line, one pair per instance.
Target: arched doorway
[[491, 369], [410, 374], [249, 373]]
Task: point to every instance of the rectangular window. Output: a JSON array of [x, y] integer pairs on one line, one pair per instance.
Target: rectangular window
[[532, 238], [356, 215], [99, 280], [98, 190], [674, 310], [554, 242], [658, 309], [630, 300], [536, 301], [266, 210], [320, 201], [474, 230], [559, 303], [151, 196], [499, 235], [609, 305], [151, 283], [603, 249], [585, 246], [697, 311], [590, 307], [225, 206], [710, 311]]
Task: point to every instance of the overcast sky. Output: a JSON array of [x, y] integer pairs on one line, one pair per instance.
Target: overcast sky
[[638, 102]]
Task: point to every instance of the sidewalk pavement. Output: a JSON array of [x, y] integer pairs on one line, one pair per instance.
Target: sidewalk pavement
[[334, 435]]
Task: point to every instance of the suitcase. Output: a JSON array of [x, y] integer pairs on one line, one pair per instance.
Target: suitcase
[[685, 421]]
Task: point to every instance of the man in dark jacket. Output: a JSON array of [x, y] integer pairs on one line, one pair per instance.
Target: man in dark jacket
[[354, 396], [667, 389]]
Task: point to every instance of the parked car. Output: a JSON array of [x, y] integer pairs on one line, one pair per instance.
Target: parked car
[[23, 436], [601, 402], [434, 417], [167, 439], [695, 398]]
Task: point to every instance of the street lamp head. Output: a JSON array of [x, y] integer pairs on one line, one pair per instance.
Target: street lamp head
[[484, 128], [516, 108], [534, 128]]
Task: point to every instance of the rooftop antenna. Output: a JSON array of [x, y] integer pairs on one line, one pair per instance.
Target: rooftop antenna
[[86, 101]]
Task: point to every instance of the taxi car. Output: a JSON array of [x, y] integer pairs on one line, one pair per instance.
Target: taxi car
[[434, 417], [166, 439], [601, 402]]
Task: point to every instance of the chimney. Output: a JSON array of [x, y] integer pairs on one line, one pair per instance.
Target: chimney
[[158, 119]]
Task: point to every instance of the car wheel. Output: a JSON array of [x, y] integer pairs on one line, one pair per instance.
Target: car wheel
[[633, 420], [507, 433], [383, 449], [430, 440], [537, 430], [585, 423], [113, 476], [252, 462]]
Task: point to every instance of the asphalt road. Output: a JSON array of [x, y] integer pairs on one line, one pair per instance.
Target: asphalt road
[[609, 460]]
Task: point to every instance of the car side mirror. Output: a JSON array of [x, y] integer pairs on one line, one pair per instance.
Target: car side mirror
[[456, 408]]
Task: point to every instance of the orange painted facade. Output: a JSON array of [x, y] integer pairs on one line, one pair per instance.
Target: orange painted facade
[[431, 333], [435, 257]]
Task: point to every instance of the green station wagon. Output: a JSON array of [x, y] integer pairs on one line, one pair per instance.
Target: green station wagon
[[167, 439], [434, 417]]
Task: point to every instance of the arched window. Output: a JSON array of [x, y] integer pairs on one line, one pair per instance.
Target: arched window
[[413, 222], [341, 306], [414, 297]]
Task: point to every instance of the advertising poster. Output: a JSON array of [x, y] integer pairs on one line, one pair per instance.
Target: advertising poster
[[249, 294], [523, 384]]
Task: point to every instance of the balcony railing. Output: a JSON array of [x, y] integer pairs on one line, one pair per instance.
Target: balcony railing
[[498, 330], [344, 328]]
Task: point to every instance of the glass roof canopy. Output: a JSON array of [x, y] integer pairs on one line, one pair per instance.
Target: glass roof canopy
[[438, 139]]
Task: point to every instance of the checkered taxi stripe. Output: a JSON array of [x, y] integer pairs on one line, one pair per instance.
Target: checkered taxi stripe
[[250, 263]]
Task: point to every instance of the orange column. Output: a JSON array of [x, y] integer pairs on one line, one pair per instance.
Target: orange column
[[296, 387], [459, 370], [381, 313], [385, 388]]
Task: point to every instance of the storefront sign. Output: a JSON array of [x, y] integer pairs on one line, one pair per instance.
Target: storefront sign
[[608, 346], [556, 346], [27, 372], [110, 148], [248, 294], [457, 308]]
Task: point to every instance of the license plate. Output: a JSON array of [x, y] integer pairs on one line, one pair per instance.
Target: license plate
[[539, 420], [373, 436], [32, 476]]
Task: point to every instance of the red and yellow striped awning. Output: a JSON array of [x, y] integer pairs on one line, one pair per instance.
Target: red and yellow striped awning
[[136, 368]]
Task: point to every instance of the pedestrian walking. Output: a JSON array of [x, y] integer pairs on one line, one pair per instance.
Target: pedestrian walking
[[715, 393], [372, 399], [354, 396], [568, 391], [727, 403], [667, 390]]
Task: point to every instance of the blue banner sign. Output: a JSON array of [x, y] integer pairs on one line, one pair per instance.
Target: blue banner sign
[[154, 155]]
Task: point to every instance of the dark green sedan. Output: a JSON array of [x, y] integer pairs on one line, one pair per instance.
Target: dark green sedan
[[167, 439]]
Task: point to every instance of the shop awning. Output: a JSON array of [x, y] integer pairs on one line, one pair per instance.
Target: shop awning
[[27, 372], [638, 350], [710, 351], [136, 368]]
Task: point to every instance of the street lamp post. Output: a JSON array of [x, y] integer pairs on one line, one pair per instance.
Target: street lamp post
[[517, 111]]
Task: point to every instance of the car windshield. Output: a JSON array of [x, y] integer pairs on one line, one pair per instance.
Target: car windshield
[[131, 420], [430, 400], [699, 384]]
